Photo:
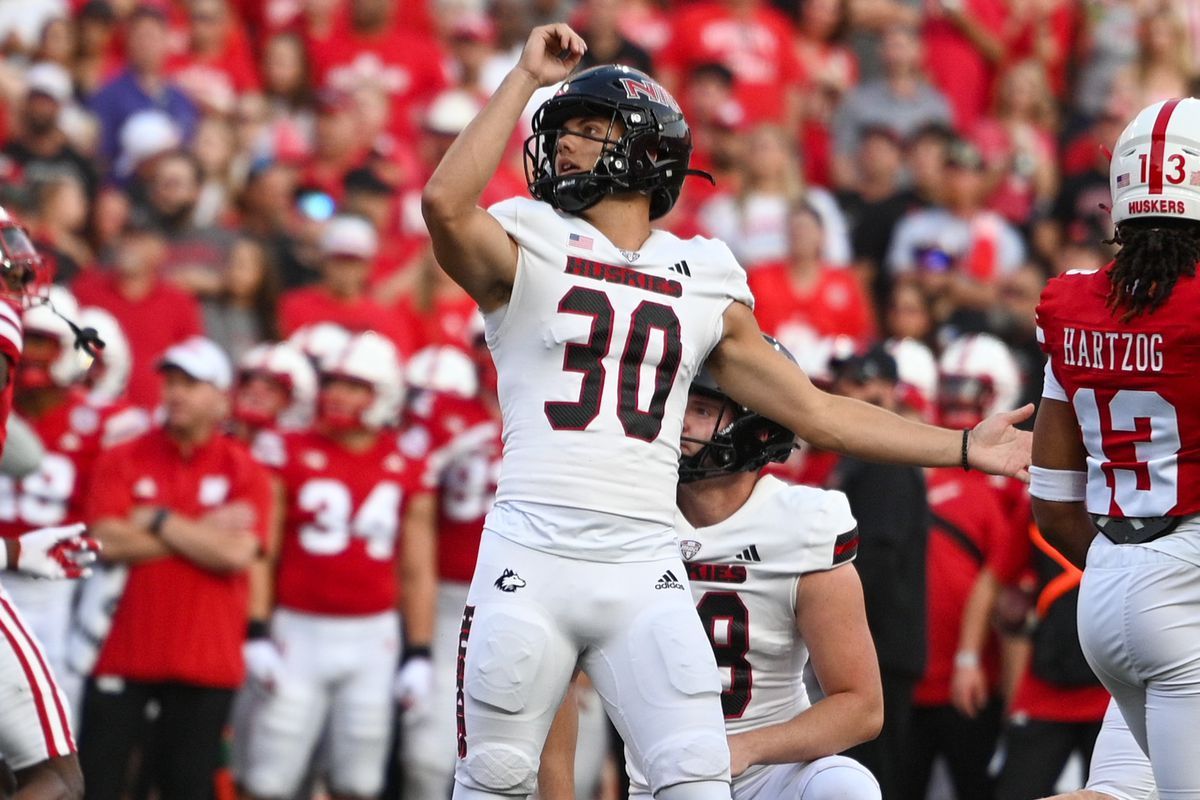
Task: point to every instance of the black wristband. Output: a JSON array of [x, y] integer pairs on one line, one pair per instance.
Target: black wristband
[[966, 437], [158, 520], [412, 651], [257, 629]]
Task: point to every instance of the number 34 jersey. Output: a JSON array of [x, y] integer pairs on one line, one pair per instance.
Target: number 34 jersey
[[342, 520], [595, 351], [744, 573], [1134, 387]]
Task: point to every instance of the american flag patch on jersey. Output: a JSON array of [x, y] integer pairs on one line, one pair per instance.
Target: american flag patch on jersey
[[582, 242], [1122, 180]]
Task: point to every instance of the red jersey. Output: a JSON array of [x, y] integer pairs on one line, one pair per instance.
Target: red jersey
[[11, 341], [164, 317], [177, 621], [758, 50], [343, 512], [1133, 386], [833, 306], [464, 446], [73, 434], [313, 304], [970, 531]]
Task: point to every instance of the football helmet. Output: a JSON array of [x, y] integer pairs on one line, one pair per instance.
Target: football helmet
[[113, 363], [319, 341], [22, 268], [742, 440], [650, 156], [1155, 166], [370, 359], [50, 320], [977, 372], [442, 368], [918, 374], [285, 364]]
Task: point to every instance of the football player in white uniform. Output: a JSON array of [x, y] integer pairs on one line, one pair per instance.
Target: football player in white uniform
[[598, 325], [767, 566], [1119, 770]]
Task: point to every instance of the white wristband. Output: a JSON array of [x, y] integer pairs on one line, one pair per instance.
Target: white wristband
[[965, 659], [3, 555], [1058, 485]]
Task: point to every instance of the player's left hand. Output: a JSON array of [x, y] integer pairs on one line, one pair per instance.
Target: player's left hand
[[414, 682], [56, 553], [969, 690], [997, 447]]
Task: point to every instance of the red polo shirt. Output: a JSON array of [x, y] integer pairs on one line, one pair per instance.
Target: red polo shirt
[[164, 317], [177, 621]]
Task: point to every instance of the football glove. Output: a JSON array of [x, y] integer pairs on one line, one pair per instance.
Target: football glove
[[56, 553], [414, 682], [264, 662]]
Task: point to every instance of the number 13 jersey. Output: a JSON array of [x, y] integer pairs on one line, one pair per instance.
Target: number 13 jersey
[[1134, 388], [595, 352]]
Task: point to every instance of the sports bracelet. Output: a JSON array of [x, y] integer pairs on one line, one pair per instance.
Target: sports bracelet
[[416, 651], [966, 437]]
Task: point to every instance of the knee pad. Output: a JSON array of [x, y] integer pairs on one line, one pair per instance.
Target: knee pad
[[683, 653], [838, 778], [505, 654], [498, 768], [688, 757]]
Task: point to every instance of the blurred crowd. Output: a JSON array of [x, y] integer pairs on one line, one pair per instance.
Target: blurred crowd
[[899, 178]]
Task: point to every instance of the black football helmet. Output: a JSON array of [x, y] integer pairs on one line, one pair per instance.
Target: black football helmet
[[742, 440], [650, 156]]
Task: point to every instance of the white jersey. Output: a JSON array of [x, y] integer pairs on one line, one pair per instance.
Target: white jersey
[[744, 573], [595, 351]]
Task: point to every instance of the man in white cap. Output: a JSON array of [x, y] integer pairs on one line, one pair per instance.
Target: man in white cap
[[188, 511], [349, 245], [39, 146]]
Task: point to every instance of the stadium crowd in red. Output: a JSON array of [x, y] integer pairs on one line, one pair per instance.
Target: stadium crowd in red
[[895, 176]]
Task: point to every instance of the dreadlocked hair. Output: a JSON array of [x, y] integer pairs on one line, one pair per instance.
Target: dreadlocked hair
[[1154, 255]]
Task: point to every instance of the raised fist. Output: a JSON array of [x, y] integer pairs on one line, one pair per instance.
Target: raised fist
[[551, 53]]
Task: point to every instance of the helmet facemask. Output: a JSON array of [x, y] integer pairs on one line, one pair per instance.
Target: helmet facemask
[[21, 266], [741, 441]]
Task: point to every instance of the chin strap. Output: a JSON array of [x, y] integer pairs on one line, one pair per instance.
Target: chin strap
[[86, 339], [699, 173]]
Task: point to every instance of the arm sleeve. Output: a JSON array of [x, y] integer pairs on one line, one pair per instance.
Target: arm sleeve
[[23, 450]]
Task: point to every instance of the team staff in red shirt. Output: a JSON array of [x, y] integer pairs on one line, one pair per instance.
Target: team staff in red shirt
[[187, 510]]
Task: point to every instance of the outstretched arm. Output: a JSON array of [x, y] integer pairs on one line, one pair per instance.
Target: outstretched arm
[[469, 244], [752, 373]]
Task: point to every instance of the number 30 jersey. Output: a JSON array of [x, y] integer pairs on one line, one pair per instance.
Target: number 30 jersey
[[595, 351], [342, 520], [1134, 387]]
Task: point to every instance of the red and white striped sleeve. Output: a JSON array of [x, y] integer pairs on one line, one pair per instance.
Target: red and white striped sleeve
[[11, 331]]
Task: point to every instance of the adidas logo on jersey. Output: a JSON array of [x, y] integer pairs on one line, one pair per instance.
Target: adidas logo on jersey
[[509, 581], [749, 554], [682, 268], [668, 581]]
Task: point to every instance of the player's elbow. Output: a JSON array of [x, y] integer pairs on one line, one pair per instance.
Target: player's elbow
[[439, 204], [871, 716]]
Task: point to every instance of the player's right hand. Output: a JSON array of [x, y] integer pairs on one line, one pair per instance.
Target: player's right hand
[[264, 662], [56, 553], [551, 53], [414, 682]]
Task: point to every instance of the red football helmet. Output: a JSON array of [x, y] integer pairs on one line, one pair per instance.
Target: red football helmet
[[22, 268]]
